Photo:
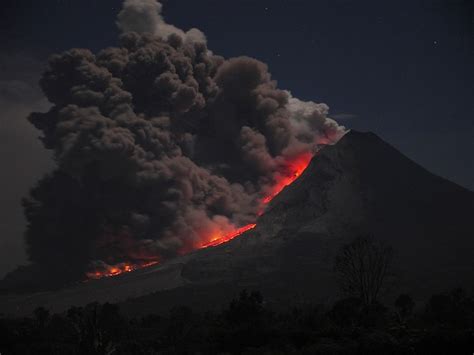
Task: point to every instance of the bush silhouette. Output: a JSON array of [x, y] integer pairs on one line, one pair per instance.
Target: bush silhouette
[[247, 326]]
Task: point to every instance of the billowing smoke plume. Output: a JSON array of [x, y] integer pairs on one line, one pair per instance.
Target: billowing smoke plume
[[159, 143], [144, 16]]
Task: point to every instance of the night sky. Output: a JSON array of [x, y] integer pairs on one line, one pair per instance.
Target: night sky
[[402, 69]]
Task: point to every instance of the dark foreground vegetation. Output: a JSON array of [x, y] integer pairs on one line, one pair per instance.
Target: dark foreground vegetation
[[445, 325]]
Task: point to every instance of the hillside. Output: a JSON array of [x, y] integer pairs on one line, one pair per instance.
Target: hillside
[[361, 185]]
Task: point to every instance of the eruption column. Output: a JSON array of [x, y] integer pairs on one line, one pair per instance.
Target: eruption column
[[162, 147]]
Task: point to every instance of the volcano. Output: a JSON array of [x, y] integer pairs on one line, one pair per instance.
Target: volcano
[[361, 185]]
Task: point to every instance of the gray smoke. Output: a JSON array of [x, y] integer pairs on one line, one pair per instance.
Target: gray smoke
[[144, 16], [159, 144]]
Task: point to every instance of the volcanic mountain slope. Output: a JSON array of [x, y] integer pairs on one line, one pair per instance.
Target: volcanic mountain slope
[[360, 185]]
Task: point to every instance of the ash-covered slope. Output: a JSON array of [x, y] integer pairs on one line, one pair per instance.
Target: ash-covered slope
[[360, 185]]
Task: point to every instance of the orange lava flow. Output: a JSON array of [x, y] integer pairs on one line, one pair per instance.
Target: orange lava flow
[[117, 269], [217, 240], [292, 171], [289, 173]]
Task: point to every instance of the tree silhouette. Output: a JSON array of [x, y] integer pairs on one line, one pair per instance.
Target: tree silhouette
[[42, 316], [96, 327], [404, 305], [363, 266]]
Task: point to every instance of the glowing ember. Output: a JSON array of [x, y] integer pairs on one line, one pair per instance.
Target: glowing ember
[[288, 174], [291, 172], [117, 269], [227, 237]]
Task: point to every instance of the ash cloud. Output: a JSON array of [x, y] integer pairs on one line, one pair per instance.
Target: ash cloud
[[144, 16], [158, 144]]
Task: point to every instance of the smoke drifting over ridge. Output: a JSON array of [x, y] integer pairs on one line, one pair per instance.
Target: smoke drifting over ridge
[[159, 145]]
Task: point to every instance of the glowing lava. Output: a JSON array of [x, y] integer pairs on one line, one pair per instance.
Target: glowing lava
[[219, 239], [117, 269], [289, 173]]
